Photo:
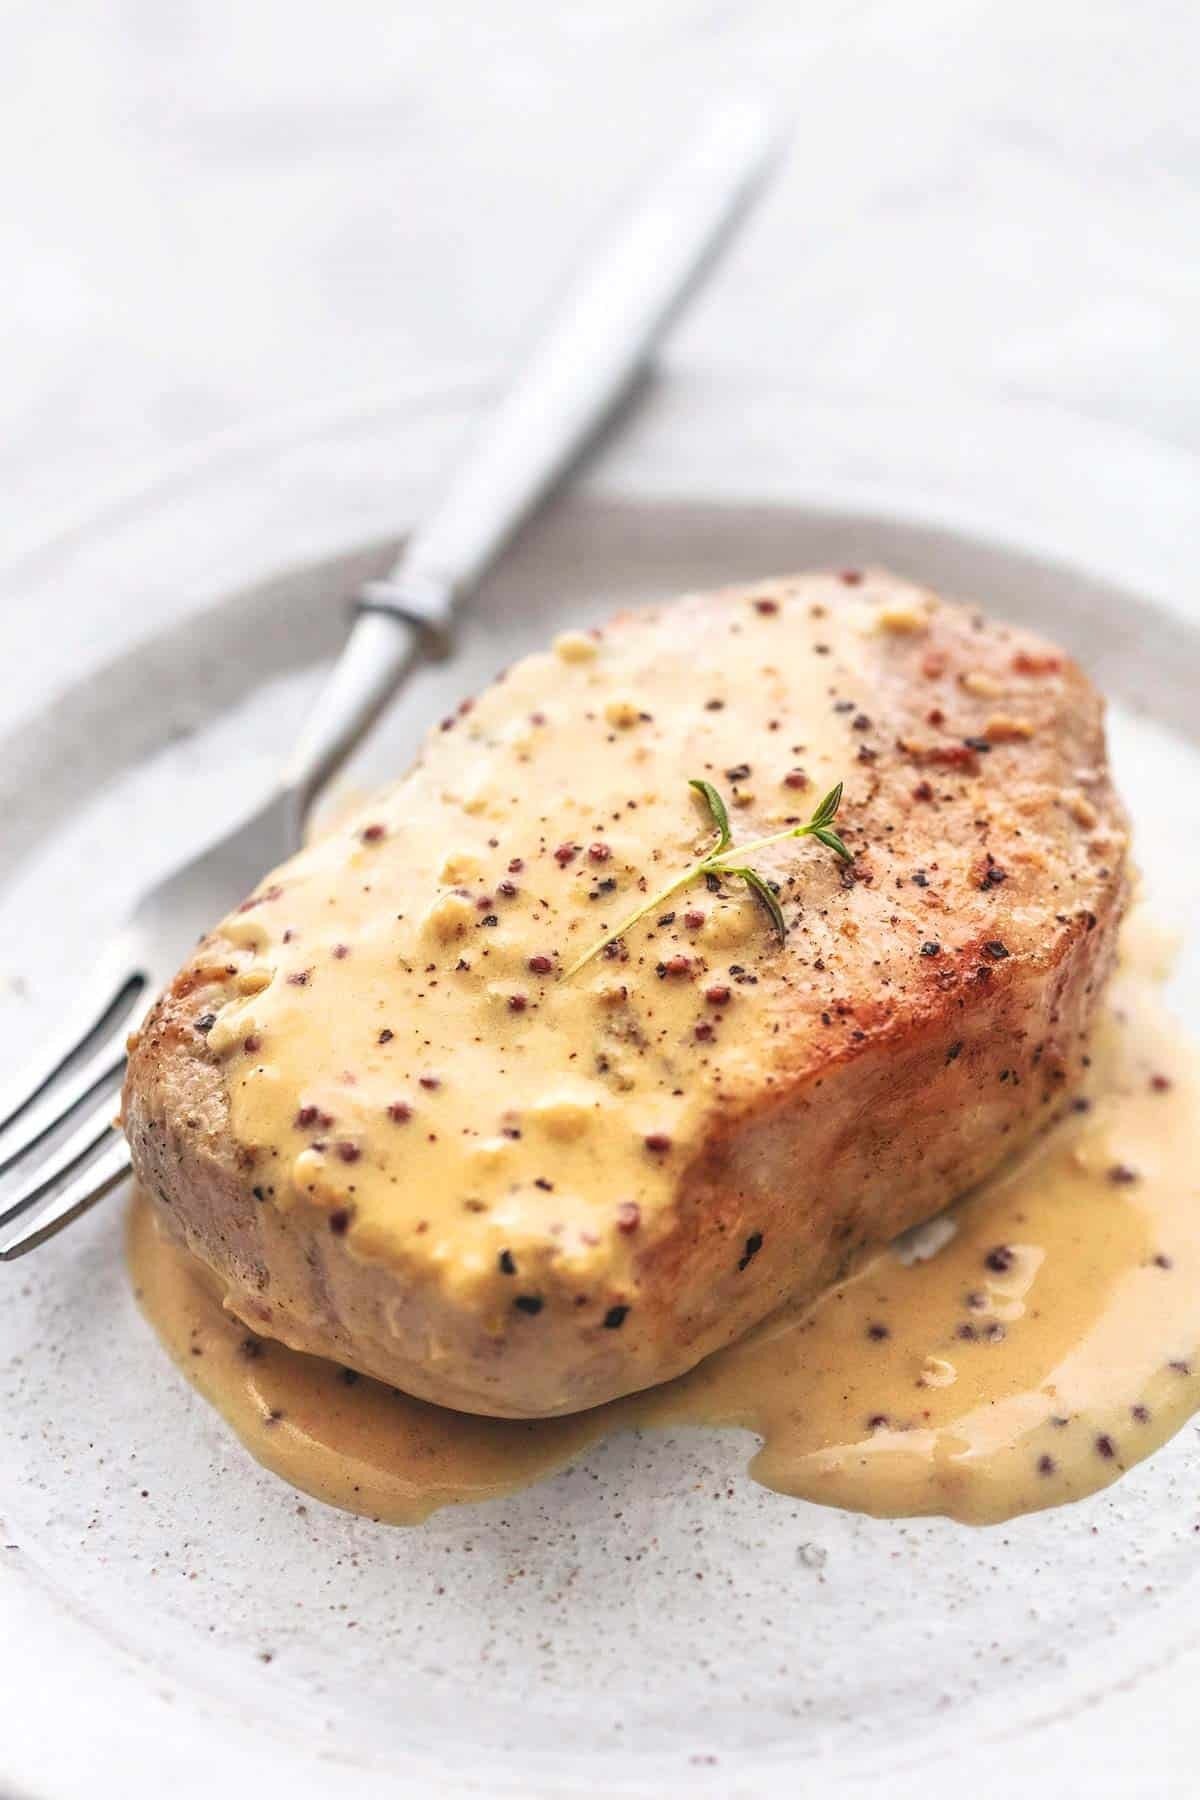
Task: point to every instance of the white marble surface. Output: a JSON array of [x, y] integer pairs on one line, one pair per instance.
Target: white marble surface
[[218, 209]]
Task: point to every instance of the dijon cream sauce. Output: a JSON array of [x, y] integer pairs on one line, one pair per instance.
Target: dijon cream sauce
[[1023, 1350]]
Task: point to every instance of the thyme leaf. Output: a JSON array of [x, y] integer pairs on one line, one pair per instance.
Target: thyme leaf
[[832, 841], [827, 809], [717, 808], [766, 897]]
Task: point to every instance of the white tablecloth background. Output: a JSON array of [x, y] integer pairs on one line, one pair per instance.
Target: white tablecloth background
[[215, 210]]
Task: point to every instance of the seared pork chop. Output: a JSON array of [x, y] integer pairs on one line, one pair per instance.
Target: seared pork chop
[[377, 1106]]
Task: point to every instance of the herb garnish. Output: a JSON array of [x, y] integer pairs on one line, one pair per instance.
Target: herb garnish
[[724, 859]]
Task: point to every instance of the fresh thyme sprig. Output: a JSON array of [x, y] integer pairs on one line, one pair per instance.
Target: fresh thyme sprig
[[721, 859]]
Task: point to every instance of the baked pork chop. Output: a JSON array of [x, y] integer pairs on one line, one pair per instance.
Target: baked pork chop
[[402, 1135]]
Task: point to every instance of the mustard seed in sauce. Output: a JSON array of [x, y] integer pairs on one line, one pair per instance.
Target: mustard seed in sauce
[[1000, 1259], [599, 852], [385, 1036], [629, 1216], [399, 1112], [657, 1142], [615, 1316], [877, 1332], [507, 1263], [339, 1221], [540, 965], [718, 996], [1121, 1175], [373, 833], [312, 1115], [348, 1152], [1105, 1447], [529, 1303], [271, 893]]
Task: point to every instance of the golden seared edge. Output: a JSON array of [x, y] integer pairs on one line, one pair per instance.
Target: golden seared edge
[[374, 1107]]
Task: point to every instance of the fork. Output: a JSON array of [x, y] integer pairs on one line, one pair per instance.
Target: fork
[[61, 1148]]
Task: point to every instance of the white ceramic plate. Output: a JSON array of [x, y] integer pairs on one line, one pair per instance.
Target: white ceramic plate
[[649, 1622]]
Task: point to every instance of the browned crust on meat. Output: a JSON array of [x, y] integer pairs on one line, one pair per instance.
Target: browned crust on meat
[[893, 1092]]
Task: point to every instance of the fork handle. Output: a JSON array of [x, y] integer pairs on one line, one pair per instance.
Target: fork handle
[[586, 362]]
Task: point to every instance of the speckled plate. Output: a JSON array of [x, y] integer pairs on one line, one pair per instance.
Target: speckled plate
[[649, 1622]]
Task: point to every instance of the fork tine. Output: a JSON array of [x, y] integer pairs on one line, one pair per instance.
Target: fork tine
[[60, 1097], [116, 984], [27, 1185], [69, 1197]]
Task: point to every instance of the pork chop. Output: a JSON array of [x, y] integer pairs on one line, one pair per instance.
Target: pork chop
[[402, 1136]]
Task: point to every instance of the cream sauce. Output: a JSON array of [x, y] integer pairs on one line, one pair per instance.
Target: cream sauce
[[1050, 1341]]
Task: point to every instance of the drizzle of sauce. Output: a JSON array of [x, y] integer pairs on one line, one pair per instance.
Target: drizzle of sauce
[[1020, 1351]]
